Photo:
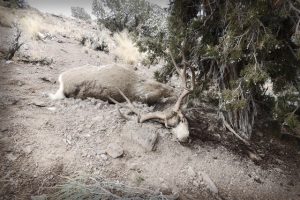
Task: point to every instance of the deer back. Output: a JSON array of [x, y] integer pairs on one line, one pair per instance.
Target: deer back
[[99, 82]]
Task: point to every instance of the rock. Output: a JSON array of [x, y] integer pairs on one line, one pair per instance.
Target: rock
[[144, 135], [20, 83], [38, 103], [217, 137], [46, 79], [51, 109], [257, 179], [28, 149], [114, 150], [104, 157], [100, 151], [254, 157], [134, 167], [209, 183]]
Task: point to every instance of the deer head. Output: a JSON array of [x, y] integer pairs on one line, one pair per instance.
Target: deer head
[[172, 117]]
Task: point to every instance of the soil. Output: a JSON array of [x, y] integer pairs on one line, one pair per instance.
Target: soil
[[42, 141]]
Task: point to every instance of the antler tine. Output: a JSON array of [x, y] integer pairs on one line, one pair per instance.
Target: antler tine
[[177, 105], [120, 106], [130, 106]]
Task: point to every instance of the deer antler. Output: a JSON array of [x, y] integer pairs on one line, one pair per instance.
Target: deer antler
[[172, 117]]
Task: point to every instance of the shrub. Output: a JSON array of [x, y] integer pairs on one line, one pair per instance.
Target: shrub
[[80, 13], [125, 49], [240, 45]]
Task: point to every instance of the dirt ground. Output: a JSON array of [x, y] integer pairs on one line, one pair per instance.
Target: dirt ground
[[42, 141]]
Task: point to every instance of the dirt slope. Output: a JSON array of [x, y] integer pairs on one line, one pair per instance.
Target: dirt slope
[[41, 140]]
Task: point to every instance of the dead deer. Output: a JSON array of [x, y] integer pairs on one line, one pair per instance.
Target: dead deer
[[105, 82], [172, 117]]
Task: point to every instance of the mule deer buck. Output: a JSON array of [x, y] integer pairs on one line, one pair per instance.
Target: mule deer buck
[[118, 84], [104, 82]]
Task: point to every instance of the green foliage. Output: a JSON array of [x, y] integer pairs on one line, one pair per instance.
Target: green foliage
[[118, 15], [15, 3], [80, 13], [244, 43]]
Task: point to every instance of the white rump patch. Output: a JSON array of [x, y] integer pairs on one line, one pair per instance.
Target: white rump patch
[[60, 92]]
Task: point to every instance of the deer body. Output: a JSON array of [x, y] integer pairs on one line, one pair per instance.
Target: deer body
[[104, 82], [116, 83]]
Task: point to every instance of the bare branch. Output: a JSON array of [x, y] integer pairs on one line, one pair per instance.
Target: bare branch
[[181, 72]]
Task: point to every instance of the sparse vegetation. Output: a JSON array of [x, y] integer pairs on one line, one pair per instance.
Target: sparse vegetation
[[236, 64], [97, 188], [125, 49], [80, 13]]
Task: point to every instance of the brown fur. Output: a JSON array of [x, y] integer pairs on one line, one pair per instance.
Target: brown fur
[[103, 82]]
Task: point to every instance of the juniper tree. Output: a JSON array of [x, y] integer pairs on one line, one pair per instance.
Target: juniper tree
[[240, 45]]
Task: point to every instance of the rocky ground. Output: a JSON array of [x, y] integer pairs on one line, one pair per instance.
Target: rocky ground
[[43, 141]]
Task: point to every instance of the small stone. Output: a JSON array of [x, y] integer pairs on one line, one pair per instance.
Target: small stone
[[257, 179], [254, 157], [20, 83], [100, 151], [209, 183], [279, 161], [104, 157], [38, 103], [217, 137], [114, 150], [28, 149], [145, 135], [46, 79], [278, 170], [51, 109]]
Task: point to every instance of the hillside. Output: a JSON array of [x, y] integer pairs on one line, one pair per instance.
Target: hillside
[[42, 141]]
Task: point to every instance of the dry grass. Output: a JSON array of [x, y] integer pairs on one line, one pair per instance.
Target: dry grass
[[7, 19], [32, 26], [125, 49], [93, 188]]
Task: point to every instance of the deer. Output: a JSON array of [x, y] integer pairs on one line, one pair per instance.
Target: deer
[[122, 86], [104, 82]]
